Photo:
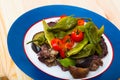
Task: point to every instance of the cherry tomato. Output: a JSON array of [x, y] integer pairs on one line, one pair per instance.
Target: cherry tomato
[[62, 45], [80, 22], [68, 42], [59, 46], [62, 16], [56, 44], [62, 53], [77, 35]]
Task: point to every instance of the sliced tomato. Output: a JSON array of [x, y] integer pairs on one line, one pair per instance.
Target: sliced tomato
[[62, 45], [56, 44], [68, 42], [77, 35]]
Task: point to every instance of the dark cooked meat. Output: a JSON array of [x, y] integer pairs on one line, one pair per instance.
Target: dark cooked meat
[[104, 47], [51, 24], [96, 62], [78, 72], [47, 55], [84, 63], [92, 62]]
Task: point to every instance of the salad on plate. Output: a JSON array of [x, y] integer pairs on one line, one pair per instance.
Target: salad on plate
[[75, 44]]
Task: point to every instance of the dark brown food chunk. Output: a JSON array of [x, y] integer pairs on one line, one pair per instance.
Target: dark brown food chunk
[[47, 55], [95, 64], [104, 47], [84, 63], [35, 48], [78, 72], [51, 24]]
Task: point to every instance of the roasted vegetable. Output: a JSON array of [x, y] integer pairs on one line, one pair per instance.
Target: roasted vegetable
[[91, 31], [35, 48], [86, 19], [78, 72], [66, 62], [77, 35], [98, 49], [93, 35], [48, 35], [78, 47], [80, 22], [81, 28], [85, 52], [67, 42], [84, 62], [101, 31], [38, 39], [64, 24], [56, 44], [60, 34]]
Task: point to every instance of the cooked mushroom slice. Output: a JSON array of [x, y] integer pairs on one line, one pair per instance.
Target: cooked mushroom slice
[[78, 72]]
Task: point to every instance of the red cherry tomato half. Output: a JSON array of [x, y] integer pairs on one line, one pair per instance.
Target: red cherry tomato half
[[68, 42], [56, 44], [62, 45], [77, 35], [80, 22], [62, 16]]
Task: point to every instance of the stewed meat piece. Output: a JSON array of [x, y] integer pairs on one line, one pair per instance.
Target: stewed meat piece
[[47, 55]]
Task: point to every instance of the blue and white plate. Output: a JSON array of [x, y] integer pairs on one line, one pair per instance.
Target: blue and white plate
[[29, 23]]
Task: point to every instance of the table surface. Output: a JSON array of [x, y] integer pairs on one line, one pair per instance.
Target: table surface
[[10, 10]]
